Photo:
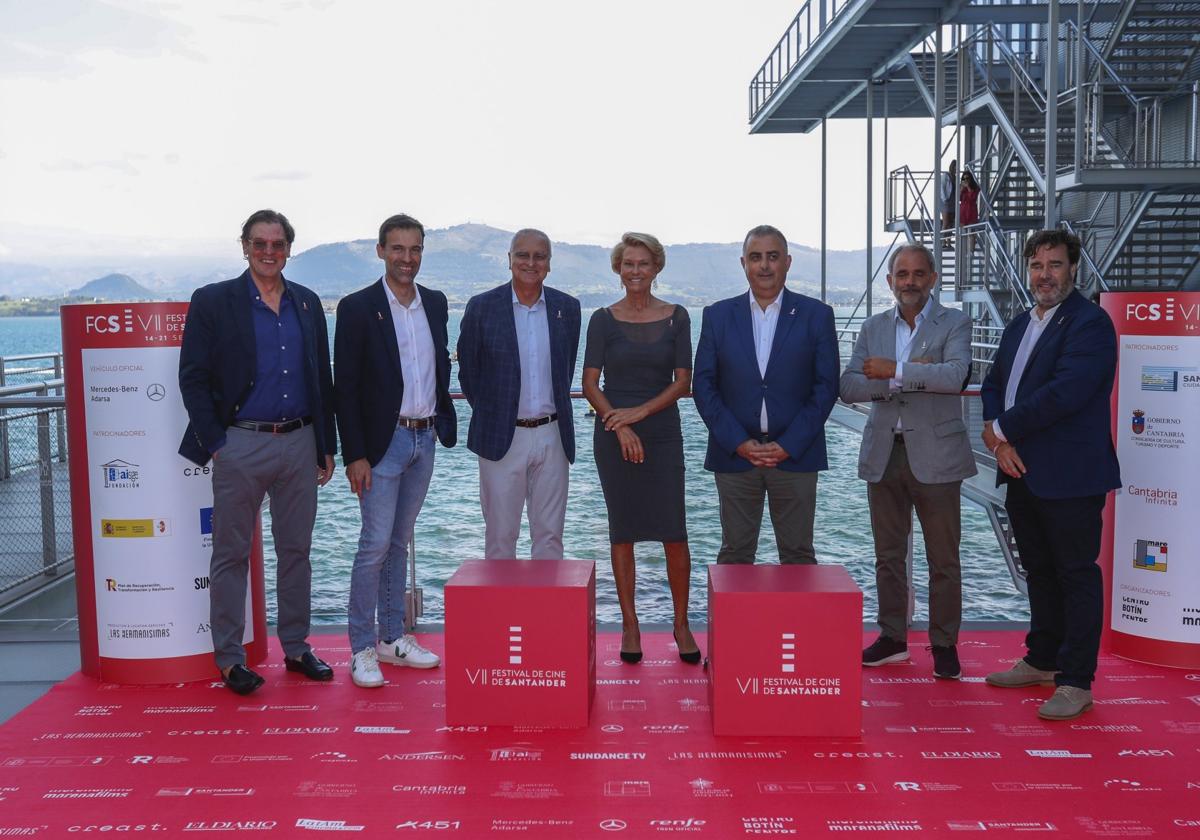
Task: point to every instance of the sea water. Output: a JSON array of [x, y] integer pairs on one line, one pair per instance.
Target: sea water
[[450, 527]]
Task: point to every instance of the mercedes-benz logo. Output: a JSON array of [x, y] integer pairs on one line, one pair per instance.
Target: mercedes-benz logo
[[155, 391], [613, 825], [612, 727]]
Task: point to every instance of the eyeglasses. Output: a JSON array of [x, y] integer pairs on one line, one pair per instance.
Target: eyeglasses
[[263, 245]]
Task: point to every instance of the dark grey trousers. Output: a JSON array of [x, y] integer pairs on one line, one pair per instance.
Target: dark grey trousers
[[793, 500], [938, 506], [248, 467]]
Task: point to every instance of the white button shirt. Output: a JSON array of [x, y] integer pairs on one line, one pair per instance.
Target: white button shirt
[[904, 337], [1029, 340], [533, 346], [764, 322], [417, 362]]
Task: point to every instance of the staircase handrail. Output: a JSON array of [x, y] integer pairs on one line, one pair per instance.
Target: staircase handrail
[[1010, 275], [1087, 258], [909, 179], [870, 285], [1101, 63], [791, 47]]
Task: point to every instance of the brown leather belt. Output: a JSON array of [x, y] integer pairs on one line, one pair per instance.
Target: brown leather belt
[[416, 423], [273, 428], [534, 422]]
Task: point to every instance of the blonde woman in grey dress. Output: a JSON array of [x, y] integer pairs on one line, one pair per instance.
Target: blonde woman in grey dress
[[643, 348]]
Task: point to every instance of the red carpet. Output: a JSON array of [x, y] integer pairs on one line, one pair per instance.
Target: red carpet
[[936, 757]]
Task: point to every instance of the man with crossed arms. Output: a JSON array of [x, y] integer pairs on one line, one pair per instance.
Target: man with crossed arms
[[911, 363]]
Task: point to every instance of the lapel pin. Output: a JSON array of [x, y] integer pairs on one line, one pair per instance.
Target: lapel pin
[[1061, 318], [560, 314], [379, 315], [304, 304], [793, 312]]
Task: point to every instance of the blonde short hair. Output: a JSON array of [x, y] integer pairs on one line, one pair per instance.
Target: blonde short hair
[[629, 239]]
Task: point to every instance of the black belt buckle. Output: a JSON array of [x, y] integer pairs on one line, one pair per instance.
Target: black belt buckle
[[534, 422], [764, 438]]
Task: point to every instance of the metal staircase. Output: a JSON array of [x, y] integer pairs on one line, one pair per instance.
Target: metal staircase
[[1154, 41]]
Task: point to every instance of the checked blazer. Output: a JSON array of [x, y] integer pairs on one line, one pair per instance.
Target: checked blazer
[[489, 367]]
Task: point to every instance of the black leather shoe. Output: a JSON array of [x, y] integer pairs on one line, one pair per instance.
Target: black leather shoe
[[241, 680], [310, 666], [631, 657]]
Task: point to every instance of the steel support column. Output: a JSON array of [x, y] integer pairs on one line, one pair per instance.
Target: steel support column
[[1051, 168], [824, 204], [939, 104], [870, 195]]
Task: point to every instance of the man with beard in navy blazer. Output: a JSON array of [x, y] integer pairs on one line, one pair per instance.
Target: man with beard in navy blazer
[[765, 381], [517, 347], [392, 378], [254, 377], [1047, 420]]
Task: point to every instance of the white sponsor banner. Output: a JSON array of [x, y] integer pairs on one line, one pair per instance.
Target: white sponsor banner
[[151, 509], [1156, 587]]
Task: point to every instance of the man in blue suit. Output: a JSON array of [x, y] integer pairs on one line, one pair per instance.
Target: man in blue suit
[[765, 380], [516, 357], [254, 377], [1047, 420], [392, 373]]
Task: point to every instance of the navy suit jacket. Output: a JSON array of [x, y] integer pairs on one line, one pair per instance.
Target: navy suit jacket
[[217, 363], [1060, 423], [368, 378], [800, 386], [489, 368]]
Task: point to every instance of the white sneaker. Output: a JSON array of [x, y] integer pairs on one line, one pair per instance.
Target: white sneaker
[[406, 651], [364, 669]]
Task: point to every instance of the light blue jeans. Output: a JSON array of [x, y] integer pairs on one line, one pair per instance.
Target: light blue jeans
[[389, 511]]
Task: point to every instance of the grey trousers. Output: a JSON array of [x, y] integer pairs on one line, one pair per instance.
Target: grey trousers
[[532, 476], [892, 500], [249, 466], [793, 500]]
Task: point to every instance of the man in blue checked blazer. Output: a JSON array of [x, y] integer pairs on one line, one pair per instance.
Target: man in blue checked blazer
[[765, 380], [516, 358]]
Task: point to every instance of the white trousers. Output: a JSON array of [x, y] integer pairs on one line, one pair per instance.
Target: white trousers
[[532, 474]]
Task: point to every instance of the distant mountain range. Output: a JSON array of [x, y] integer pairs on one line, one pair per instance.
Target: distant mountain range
[[465, 259], [114, 287]]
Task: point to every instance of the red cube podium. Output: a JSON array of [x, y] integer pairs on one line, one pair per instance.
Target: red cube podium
[[521, 643], [784, 650]]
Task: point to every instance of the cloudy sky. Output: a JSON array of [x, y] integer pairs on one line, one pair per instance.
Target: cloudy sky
[[140, 127]]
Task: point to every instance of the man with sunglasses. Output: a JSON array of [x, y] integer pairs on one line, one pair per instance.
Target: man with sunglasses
[[255, 379]]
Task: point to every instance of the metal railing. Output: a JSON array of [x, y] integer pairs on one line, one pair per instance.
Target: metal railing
[[35, 531], [812, 19]]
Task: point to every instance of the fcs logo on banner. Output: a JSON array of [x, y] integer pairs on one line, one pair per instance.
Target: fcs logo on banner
[[119, 475], [100, 324], [1150, 555]]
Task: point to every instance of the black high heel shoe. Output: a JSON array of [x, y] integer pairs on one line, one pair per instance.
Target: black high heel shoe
[[631, 657], [691, 657]]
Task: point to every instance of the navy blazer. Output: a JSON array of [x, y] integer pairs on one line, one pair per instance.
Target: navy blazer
[[1060, 422], [489, 368], [217, 363], [368, 378], [800, 386]]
